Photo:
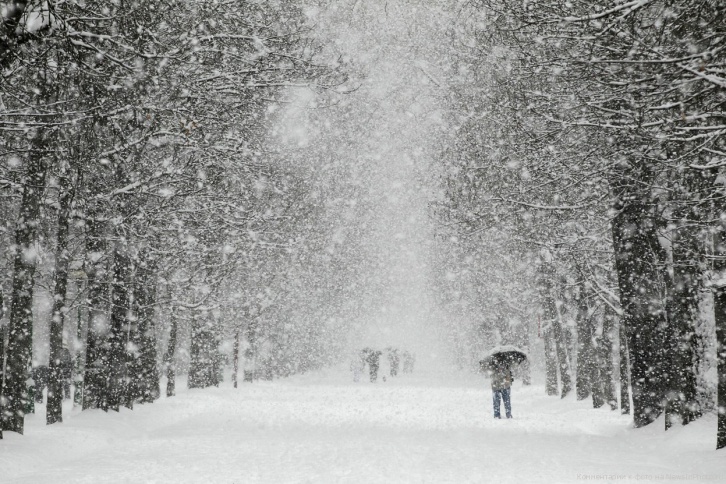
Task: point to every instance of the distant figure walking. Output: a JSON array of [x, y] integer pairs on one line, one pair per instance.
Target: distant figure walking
[[357, 366], [408, 360], [373, 359], [393, 361], [501, 376]]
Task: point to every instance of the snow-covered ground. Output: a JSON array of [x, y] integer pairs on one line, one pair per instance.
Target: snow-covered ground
[[427, 427]]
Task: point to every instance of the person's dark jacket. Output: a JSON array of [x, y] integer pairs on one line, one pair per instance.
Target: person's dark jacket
[[501, 377]]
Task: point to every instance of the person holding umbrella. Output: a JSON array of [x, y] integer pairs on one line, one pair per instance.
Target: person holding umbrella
[[499, 363], [501, 376]]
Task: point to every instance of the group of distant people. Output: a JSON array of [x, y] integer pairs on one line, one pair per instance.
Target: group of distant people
[[372, 358], [41, 375]]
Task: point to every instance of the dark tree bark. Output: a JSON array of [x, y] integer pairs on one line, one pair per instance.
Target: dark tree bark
[[134, 384], [2, 356], [20, 329], [550, 362], [203, 355], [720, 312], [94, 381], [605, 358], [62, 257], [169, 356], [79, 359], [719, 306], [117, 376], [598, 395], [637, 256], [685, 281], [235, 358], [145, 371], [682, 311], [548, 300], [584, 382], [560, 343], [563, 362], [624, 371]]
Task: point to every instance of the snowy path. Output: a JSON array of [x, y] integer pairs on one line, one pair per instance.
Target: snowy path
[[323, 428]]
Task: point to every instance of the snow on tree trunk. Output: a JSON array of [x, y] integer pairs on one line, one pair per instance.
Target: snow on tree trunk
[[682, 308], [2, 358], [235, 357], [54, 411], [605, 358], [719, 309], [94, 381], [624, 369], [549, 303], [79, 357], [584, 380], [720, 312], [550, 363], [145, 369], [562, 358], [203, 364], [169, 355], [117, 376], [636, 246], [15, 398]]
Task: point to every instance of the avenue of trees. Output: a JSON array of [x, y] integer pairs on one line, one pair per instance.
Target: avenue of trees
[[588, 146], [580, 168], [137, 193]]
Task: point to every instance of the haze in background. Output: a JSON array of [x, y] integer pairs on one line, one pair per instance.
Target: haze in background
[[372, 151]]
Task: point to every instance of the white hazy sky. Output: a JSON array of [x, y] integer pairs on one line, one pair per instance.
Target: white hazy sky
[[392, 121]]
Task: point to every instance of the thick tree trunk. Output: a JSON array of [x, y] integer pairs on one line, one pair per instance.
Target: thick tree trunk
[[2, 356], [202, 365], [682, 311], [169, 356], [550, 363], [584, 381], [548, 301], [637, 255], [592, 366], [719, 306], [684, 283], [62, 258], [145, 299], [719, 302], [562, 355], [598, 396], [94, 380], [15, 399], [134, 384], [80, 356], [605, 359], [117, 356]]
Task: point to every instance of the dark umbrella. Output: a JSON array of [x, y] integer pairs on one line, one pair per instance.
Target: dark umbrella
[[503, 355]]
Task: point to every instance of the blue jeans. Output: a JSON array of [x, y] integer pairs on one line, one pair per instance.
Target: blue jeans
[[504, 394]]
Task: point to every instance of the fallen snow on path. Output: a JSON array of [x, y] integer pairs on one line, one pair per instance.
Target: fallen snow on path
[[324, 428]]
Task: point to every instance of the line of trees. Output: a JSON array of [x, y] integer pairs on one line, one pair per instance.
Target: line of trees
[[592, 137], [137, 187]]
